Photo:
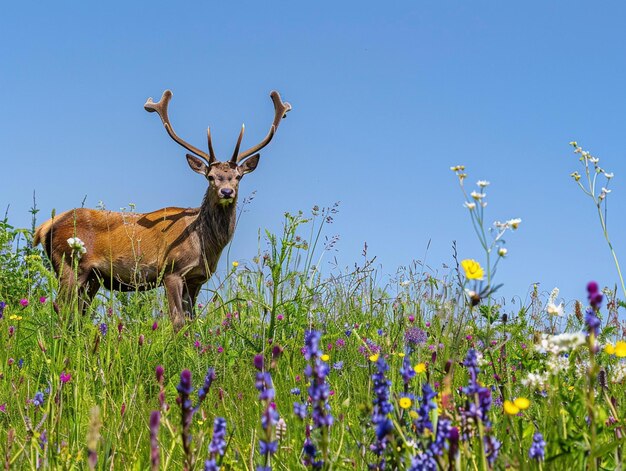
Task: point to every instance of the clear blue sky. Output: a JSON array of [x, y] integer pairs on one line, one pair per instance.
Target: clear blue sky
[[385, 99]]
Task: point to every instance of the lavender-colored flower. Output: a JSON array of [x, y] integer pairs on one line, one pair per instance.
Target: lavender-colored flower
[[258, 362], [338, 366], [300, 410], [295, 391], [492, 448], [185, 389], [592, 322], [159, 371], [218, 442], [264, 385], [204, 390], [594, 295], [538, 448], [381, 408], [479, 397], [2, 306], [155, 421], [407, 372], [423, 462], [422, 422], [415, 336], [319, 390], [444, 429], [311, 344], [38, 400], [103, 329]]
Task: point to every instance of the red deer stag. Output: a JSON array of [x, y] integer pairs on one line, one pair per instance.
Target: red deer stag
[[178, 247]]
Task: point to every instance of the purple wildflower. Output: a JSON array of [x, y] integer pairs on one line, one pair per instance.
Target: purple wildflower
[[2, 306], [592, 321], [65, 377], [492, 448], [38, 400], [538, 448], [594, 295], [103, 329], [204, 390], [218, 442], [415, 336], [185, 389], [423, 462], [407, 372], [422, 422], [381, 409], [155, 421]]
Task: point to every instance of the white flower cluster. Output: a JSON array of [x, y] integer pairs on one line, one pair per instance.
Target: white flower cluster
[[561, 343], [77, 246], [552, 308], [619, 373], [536, 380], [556, 364]]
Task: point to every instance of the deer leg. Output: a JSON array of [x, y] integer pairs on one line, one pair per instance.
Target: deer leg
[[174, 289], [190, 296], [87, 293]]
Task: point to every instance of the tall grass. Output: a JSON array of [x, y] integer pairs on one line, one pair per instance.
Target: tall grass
[[346, 370]]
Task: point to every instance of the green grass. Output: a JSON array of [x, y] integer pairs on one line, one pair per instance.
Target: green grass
[[265, 307]]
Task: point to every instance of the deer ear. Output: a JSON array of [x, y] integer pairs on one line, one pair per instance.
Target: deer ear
[[196, 164], [250, 164]]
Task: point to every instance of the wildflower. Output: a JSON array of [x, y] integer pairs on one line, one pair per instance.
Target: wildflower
[[155, 325], [155, 420], [502, 252], [204, 390], [258, 362], [235, 264], [38, 400], [469, 205], [280, 317], [477, 196], [473, 270], [405, 402], [415, 336], [2, 306], [555, 310], [420, 368], [538, 448], [522, 403], [103, 329], [43, 299], [218, 441], [482, 183], [510, 408], [325, 357], [338, 365], [592, 321], [381, 407], [77, 246], [24, 302], [609, 349], [594, 295], [65, 377], [374, 357], [620, 349], [185, 389], [514, 223], [407, 372]]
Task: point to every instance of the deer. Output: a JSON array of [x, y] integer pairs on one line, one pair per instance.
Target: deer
[[178, 248]]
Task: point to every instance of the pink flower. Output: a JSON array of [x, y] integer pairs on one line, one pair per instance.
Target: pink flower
[[155, 326], [220, 349], [280, 317], [427, 324], [43, 299], [411, 318], [24, 302], [65, 377], [3, 407]]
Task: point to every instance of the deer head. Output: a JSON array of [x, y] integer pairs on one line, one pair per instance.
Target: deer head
[[223, 176]]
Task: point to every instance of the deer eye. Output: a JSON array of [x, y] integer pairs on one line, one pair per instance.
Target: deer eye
[[210, 178]]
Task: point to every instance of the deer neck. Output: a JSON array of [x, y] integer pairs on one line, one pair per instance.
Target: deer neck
[[216, 223]]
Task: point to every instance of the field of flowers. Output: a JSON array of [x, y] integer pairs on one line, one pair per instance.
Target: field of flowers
[[288, 368]]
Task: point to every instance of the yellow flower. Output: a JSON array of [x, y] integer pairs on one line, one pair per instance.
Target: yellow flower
[[420, 368], [374, 357], [325, 357], [405, 402], [401, 355], [522, 403], [473, 270], [510, 408], [609, 349], [620, 348], [413, 414], [235, 264]]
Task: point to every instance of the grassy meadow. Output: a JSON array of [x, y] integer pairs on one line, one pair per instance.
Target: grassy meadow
[[288, 368]]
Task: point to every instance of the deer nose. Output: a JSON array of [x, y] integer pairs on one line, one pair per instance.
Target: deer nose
[[226, 192]]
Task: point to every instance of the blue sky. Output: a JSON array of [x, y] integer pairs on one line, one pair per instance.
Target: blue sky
[[385, 100]]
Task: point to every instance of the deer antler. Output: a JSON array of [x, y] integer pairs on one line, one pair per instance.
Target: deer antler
[[280, 111], [161, 109]]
